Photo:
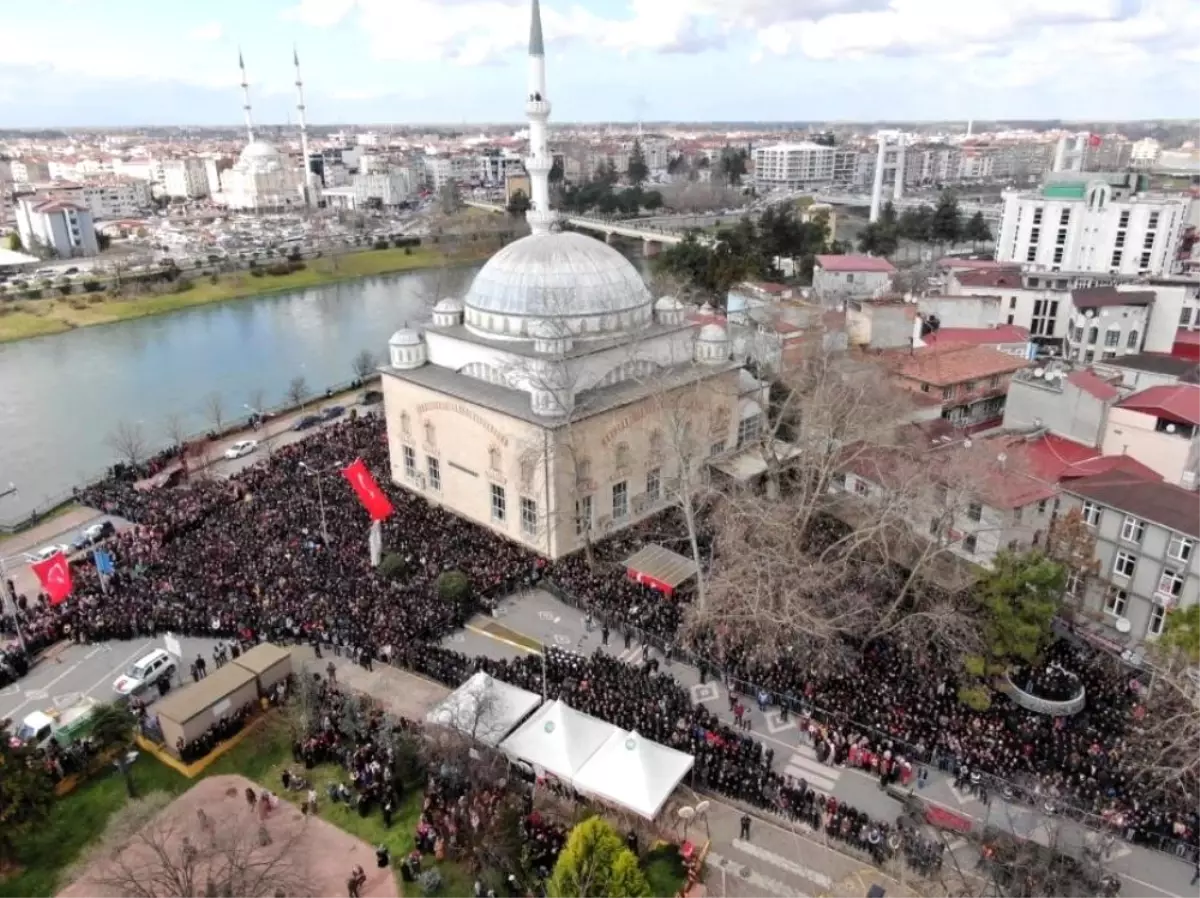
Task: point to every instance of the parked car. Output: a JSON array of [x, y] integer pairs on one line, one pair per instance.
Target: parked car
[[240, 448], [144, 672], [93, 533], [45, 552], [370, 397], [333, 411], [306, 422]]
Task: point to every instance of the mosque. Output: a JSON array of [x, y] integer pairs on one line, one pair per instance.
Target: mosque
[[557, 401], [264, 179]]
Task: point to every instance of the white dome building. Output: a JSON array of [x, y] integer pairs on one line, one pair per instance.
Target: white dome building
[[534, 404]]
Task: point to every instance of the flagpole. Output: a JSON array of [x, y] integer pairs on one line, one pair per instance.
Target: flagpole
[[10, 601]]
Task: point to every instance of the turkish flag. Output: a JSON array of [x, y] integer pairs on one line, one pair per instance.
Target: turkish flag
[[1094, 140], [55, 576], [369, 493]]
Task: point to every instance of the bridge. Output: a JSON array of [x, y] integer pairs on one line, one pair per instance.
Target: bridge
[[991, 211], [652, 235]]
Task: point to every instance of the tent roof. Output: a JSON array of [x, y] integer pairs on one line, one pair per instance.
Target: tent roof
[[484, 708], [662, 564], [12, 257], [558, 739], [634, 772]]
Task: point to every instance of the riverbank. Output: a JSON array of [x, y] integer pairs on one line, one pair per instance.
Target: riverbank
[[25, 319]]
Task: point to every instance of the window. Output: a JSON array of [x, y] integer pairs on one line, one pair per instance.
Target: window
[[1041, 507], [583, 471], [430, 433], [924, 388], [1170, 584], [1124, 565], [850, 278], [716, 448], [1180, 548], [838, 481], [969, 544], [528, 468], [1012, 318], [529, 519], [1012, 302], [1185, 316], [974, 511], [583, 515], [1077, 335], [1145, 262], [435, 474], [1074, 581], [499, 503], [935, 527], [1091, 514], [750, 428], [1179, 428], [405, 424], [948, 392], [1112, 337], [1018, 513], [862, 487], [1153, 220], [1115, 601], [1115, 261], [494, 459], [410, 463], [656, 443], [1132, 341], [1158, 617], [653, 485], [969, 386], [622, 456], [620, 500], [1132, 529], [1093, 334]]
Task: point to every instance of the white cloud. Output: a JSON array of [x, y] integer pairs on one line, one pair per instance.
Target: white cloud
[[210, 31], [319, 13]]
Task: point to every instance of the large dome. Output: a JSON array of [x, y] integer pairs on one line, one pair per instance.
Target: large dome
[[583, 284], [258, 155]]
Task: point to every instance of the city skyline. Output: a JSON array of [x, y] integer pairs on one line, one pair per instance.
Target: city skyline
[[454, 61]]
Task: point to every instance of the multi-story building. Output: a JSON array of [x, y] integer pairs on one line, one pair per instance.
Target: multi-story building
[[975, 164], [1107, 323], [931, 164], [791, 166], [1144, 153], [837, 278], [496, 166], [1007, 338], [106, 200], [441, 169], [187, 178], [29, 171], [1146, 533], [1087, 222], [390, 188], [62, 229], [969, 382], [1071, 404], [1160, 427]]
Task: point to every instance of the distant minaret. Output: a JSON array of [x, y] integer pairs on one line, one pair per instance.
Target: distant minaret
[[246, 99], [309, 199], [970, 125], [537, 108]]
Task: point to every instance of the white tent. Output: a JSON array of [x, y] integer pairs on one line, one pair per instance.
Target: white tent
[[484, 708], [558, 739], [634, 772]]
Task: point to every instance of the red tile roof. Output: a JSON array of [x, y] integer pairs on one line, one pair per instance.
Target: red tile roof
[[978, 336], [852, 263], [1093, 384], [1104, 297], [1054, 459], [952, 363], [1180, 402], [995, 277], [957, 264]]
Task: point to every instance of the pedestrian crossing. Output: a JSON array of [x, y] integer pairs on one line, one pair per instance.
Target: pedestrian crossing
[[804, 765], [764, 871]]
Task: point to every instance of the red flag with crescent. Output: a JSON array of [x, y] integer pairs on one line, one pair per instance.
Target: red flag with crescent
[[369, 493], [55, 576]]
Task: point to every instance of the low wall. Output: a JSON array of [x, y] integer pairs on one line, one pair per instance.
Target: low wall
[[1045, 706]]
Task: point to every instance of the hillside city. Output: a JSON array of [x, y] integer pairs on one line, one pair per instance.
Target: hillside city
[[571, 509]]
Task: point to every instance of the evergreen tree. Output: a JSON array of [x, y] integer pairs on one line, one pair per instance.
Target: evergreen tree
[[518, 203], [26, 794], [946, 226], [1019, 598], [595, 863], [638, 170], [977, 230], [733, 165]]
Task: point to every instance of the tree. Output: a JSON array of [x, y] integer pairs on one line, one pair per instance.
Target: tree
[[297, 391], [1072, 543], [392, 566], [26, 793], [677, 164], [710, 269], [129, 442], [556, 171], [1019, 597], [454, 588], [175, 429], [214, 411], [915, 224], [652, 200], [977, 230], [946, 225], [638, 170], [733, 165], [595, 863], [363, 364], [518, 204], [14, 242], [112, 726], [877, 240], [1180, 640], [450, 197]]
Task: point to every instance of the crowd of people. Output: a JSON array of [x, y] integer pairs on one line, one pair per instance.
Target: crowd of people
[[244, 559]]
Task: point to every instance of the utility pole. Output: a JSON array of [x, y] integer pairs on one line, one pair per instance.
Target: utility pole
[[8, 598], [320, 501]]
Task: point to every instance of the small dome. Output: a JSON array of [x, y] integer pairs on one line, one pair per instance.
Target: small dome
[[406, 336], [712, 333], [668, 304], [546, 330], [449, 304]]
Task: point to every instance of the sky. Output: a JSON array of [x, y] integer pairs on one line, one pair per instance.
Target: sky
[[131, 62]]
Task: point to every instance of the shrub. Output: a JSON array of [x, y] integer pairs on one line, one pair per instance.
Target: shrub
[[214, 278], [393, 566], [453, 586], [65, 289], [408, 250], [256, 272], [181, 286], [91, 286], [380, 244], [33, 293], [977, 698], [430, 882], [294, 256]]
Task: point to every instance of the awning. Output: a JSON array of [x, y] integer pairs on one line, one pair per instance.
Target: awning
[[750, 462], [484, 708], [659, 568], [634, 772]]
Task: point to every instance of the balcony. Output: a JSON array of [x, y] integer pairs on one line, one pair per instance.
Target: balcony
[[537, 109]]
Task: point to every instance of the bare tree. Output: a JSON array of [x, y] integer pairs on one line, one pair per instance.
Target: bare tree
[[258, 401], [214, 411], [175, 429], [364, 364], [297, 391], [129, 442], [232, 856]]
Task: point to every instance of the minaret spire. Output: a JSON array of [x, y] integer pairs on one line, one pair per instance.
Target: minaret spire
[[308, 197], [246, 98], [537, 108]]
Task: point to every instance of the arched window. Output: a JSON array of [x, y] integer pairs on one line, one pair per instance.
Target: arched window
[[528, 467], [583, 470], [430, 433], [1132, 342], [622, 456], [494, 459], [656, 443], [405, 424]]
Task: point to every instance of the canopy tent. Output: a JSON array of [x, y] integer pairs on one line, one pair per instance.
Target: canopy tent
[[557, 739], [484, 708], [634, 772], [659, 568], [12, 257]]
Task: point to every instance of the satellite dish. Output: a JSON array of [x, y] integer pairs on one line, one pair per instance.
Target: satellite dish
[[1002, 457], [687, 813], [967, 443], [1170, 428], [1090, 313], [1123, 625], [702, 807], [1039, 372]]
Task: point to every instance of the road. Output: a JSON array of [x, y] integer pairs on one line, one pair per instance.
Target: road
[[539, 616]]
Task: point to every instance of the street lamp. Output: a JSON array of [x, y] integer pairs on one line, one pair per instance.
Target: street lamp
[[8, 597], [320, 499]]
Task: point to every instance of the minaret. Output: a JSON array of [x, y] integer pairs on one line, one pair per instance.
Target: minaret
[[537, 109], [246, 99], [309, 199]]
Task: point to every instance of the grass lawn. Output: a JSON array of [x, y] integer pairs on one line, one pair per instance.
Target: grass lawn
[[20, 320]]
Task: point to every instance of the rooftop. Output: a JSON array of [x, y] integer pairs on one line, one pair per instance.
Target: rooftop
[[1104, 297], [1186, 370], [978, 336], [1093, 384], [958, 264], [1180, 402], [1165, 504], [1055, 459], [991, 277], [953, 363], [855, 263]]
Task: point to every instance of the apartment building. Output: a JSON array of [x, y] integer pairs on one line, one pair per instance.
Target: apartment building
[[851, 277], [29, 171], [791, 166], [1107, 323], [1146, 533], [968, 383], [1092, 222], [106, 200], [441, 169], [1160, 427], [1072, 404], [186, 178], [62, 228], [1007, 338]]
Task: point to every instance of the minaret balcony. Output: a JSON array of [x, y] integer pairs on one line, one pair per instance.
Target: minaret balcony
[[537, 109], [538, 165]]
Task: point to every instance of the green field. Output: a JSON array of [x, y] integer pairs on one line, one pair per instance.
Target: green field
[[25, 318]]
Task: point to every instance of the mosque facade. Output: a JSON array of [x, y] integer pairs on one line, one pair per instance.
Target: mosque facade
[[557, 401]]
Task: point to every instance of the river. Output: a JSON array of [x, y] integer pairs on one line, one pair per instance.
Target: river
[[61, 395]]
